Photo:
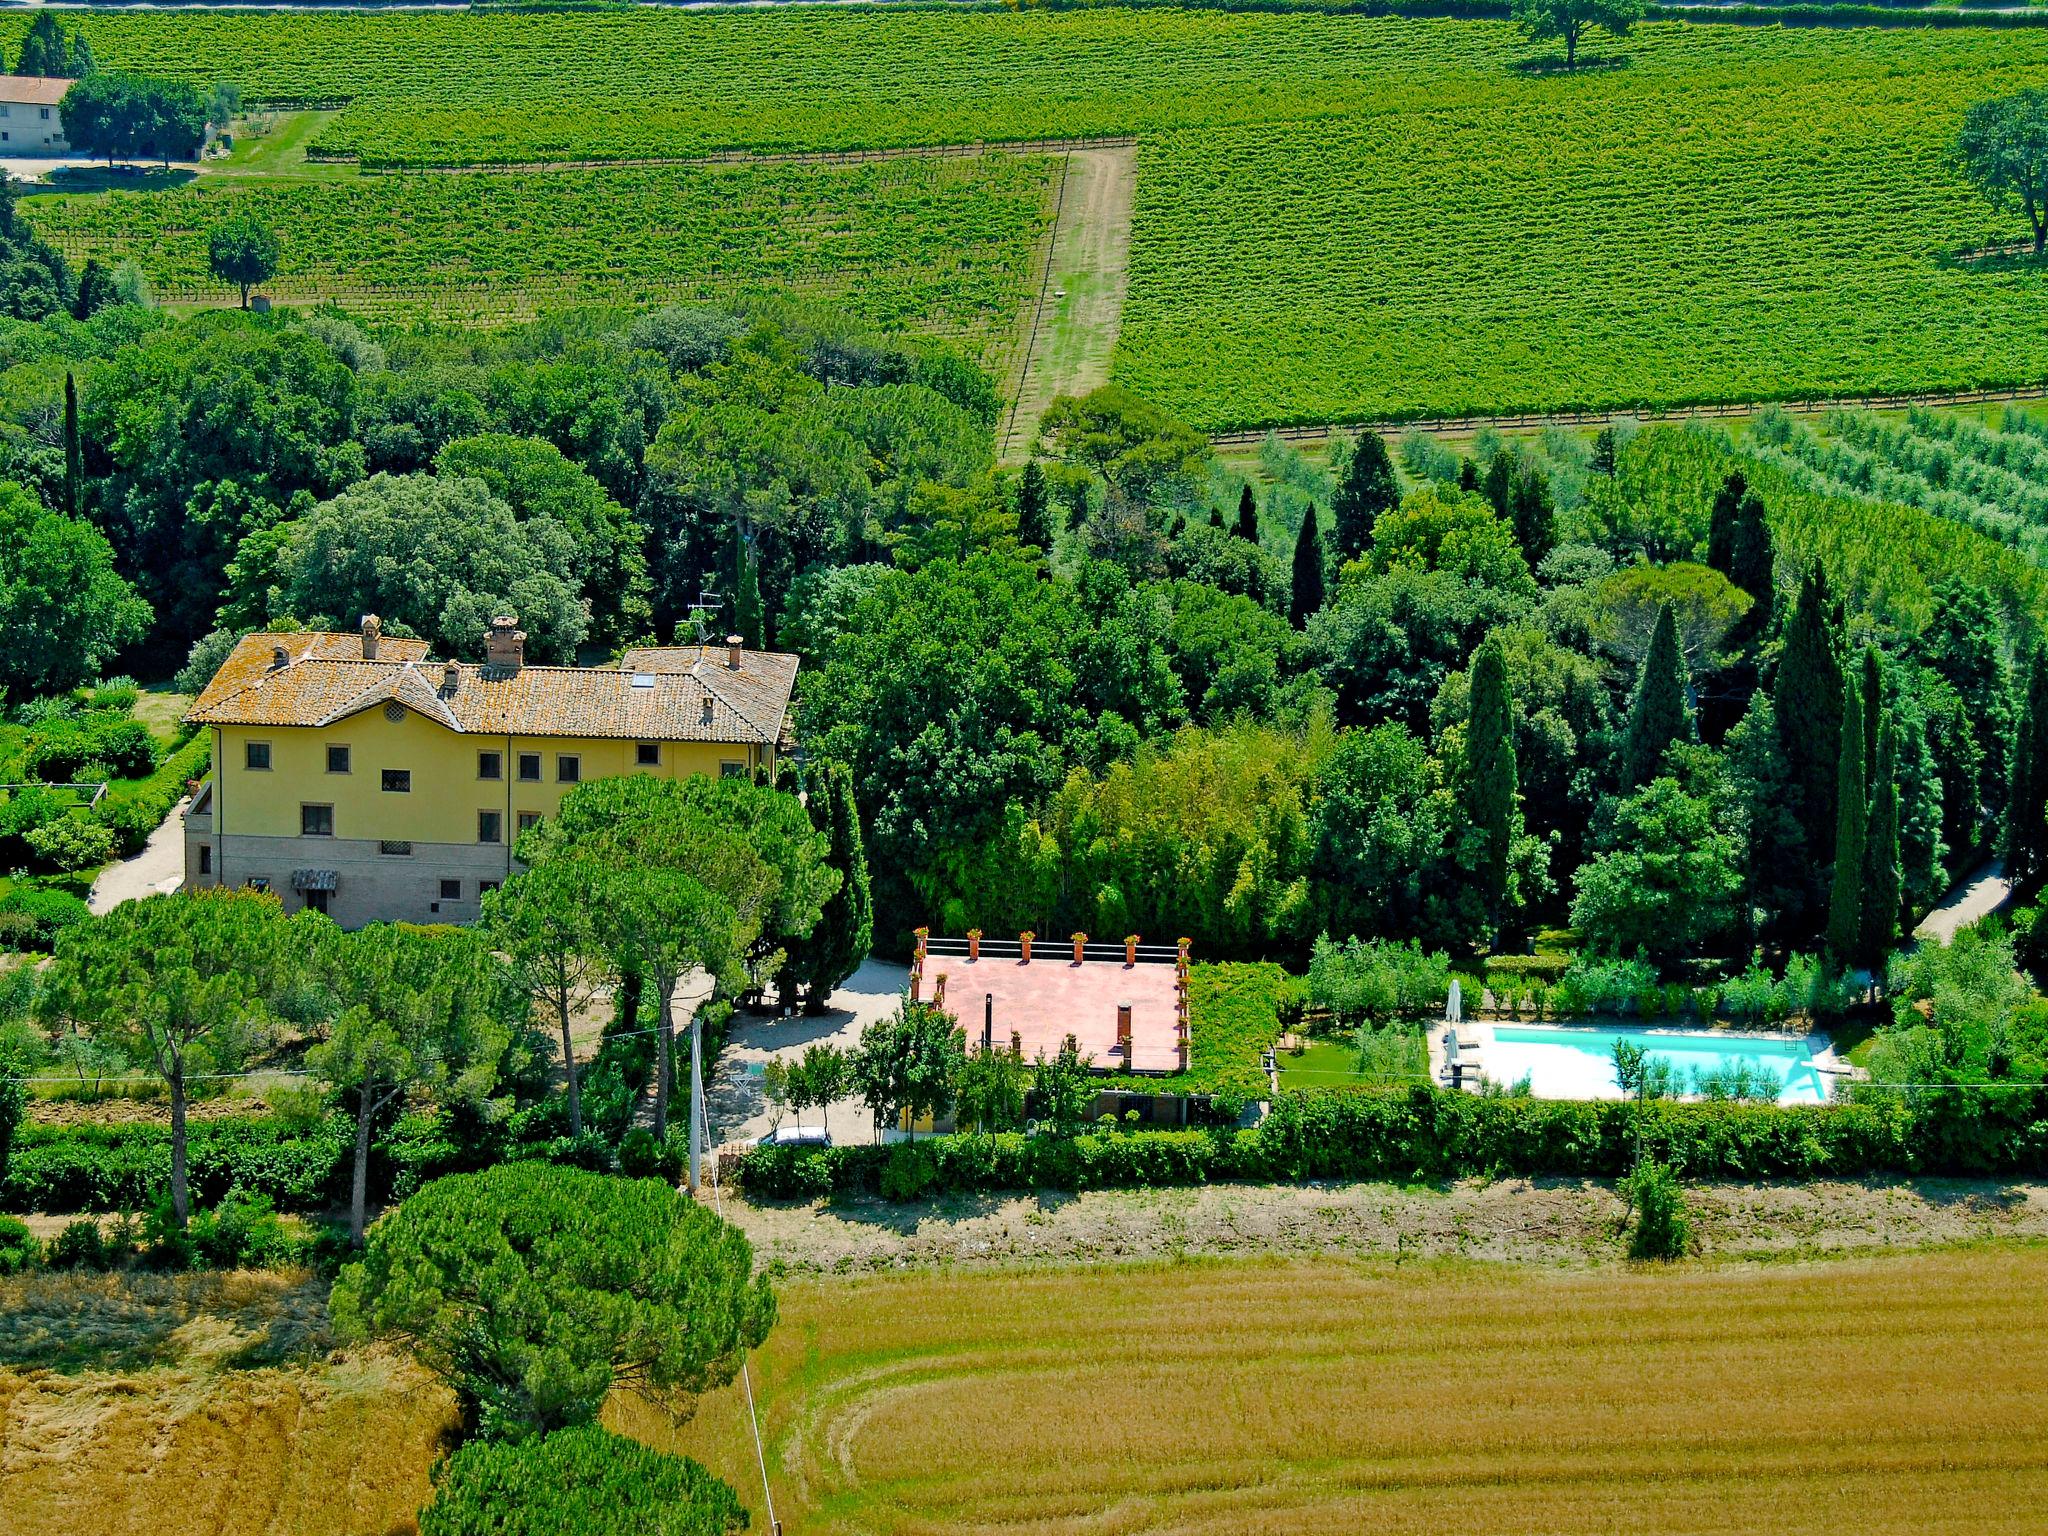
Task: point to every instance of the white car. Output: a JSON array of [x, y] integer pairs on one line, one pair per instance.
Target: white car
[[796, 1136]]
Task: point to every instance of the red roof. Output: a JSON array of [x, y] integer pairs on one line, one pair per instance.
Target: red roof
[[33, 90]]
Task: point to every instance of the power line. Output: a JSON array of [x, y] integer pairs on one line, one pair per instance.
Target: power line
[[701, 1114]]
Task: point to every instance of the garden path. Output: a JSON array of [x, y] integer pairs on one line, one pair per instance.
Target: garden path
[[160, 866]]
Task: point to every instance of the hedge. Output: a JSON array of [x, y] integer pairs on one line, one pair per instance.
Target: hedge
[[134, 810], [582, 1481], [128, 1167], [1331, 1133]]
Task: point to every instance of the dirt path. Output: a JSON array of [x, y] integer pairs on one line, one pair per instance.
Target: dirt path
[[160, 866], [1984, 892], [1080, 302], [1556, 1222]]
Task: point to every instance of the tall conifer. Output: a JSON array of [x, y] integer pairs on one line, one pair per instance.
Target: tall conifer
[[1034, 507], [74, 457], [1490, 756], [1882, 900], [1807, 701], [1309, 588], [2026, 831], [1368, 491], [1658, 716], [1852, 825], [1247, 515]]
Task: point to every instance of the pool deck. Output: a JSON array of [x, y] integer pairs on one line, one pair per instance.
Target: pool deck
[[1475, 1042]]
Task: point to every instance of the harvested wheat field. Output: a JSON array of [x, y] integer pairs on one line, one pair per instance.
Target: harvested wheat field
[[195, 1406], [1900, 1394]]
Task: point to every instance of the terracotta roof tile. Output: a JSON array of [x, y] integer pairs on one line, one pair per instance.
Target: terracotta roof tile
[[681, 694], [35, 90]]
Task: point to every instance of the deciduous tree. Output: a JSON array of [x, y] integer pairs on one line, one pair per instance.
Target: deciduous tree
[[2003, 148], [243, 251], [1567, 21], [541, 920]]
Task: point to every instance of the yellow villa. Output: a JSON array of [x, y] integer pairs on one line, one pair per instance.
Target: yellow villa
[[354, 774]]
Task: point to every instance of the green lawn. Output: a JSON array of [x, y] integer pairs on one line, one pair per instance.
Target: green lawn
[[1398, 1056]]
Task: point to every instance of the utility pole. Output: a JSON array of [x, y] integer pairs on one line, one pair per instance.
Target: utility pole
[[696, 1094]]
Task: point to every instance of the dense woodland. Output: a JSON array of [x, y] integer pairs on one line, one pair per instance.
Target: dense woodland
[[1645, 685]]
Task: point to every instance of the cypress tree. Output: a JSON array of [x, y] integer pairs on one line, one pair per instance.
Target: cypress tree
[[1369, 490], [1753, 563], [1603, 451], [846, 927], [1497, 485], [1215, 517], [1721, 523], [746, 602], [2026, 830], [1247, 515], [1852, 824], [74, 459], [1034, 507], [1530, 509], [1468, 475], [1309, 590], [1657, 716], [1492, 790], [1807, 701], [1921, 849], [1882, 898], [1873, 713]]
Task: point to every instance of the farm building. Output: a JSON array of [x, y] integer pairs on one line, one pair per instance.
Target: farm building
[[29, 124]]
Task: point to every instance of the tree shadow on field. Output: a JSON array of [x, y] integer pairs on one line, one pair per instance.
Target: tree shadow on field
[[2017, 257], [906, 1217], [1554, 64], [122, 178], [78, 1321]]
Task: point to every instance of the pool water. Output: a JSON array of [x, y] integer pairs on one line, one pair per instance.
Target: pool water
[[1578, 1063]]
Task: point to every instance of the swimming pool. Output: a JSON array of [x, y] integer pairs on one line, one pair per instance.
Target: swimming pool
[[1578, 1063]]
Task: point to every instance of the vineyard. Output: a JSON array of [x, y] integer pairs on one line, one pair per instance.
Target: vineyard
[[1992, 479], [1336, 217], [940, 245]]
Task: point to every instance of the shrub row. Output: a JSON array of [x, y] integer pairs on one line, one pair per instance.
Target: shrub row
[[128, 1167], [1424, 1132]]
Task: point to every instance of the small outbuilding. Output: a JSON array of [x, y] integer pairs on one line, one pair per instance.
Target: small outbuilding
[[29, 122]]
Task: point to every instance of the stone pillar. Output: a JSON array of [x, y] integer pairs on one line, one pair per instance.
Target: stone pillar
[[939, 991], [1080, 947], [1130, 949], [1123, 1032], [1024, 942], [973, 945]]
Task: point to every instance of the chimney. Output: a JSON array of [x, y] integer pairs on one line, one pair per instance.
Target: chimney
[[732, 651], [505, 644], [451, 678], [707, 709], [278, 658], [373, 631]]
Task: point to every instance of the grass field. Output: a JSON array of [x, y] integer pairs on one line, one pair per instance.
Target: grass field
[[1893, 1396], [1335, 216]]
